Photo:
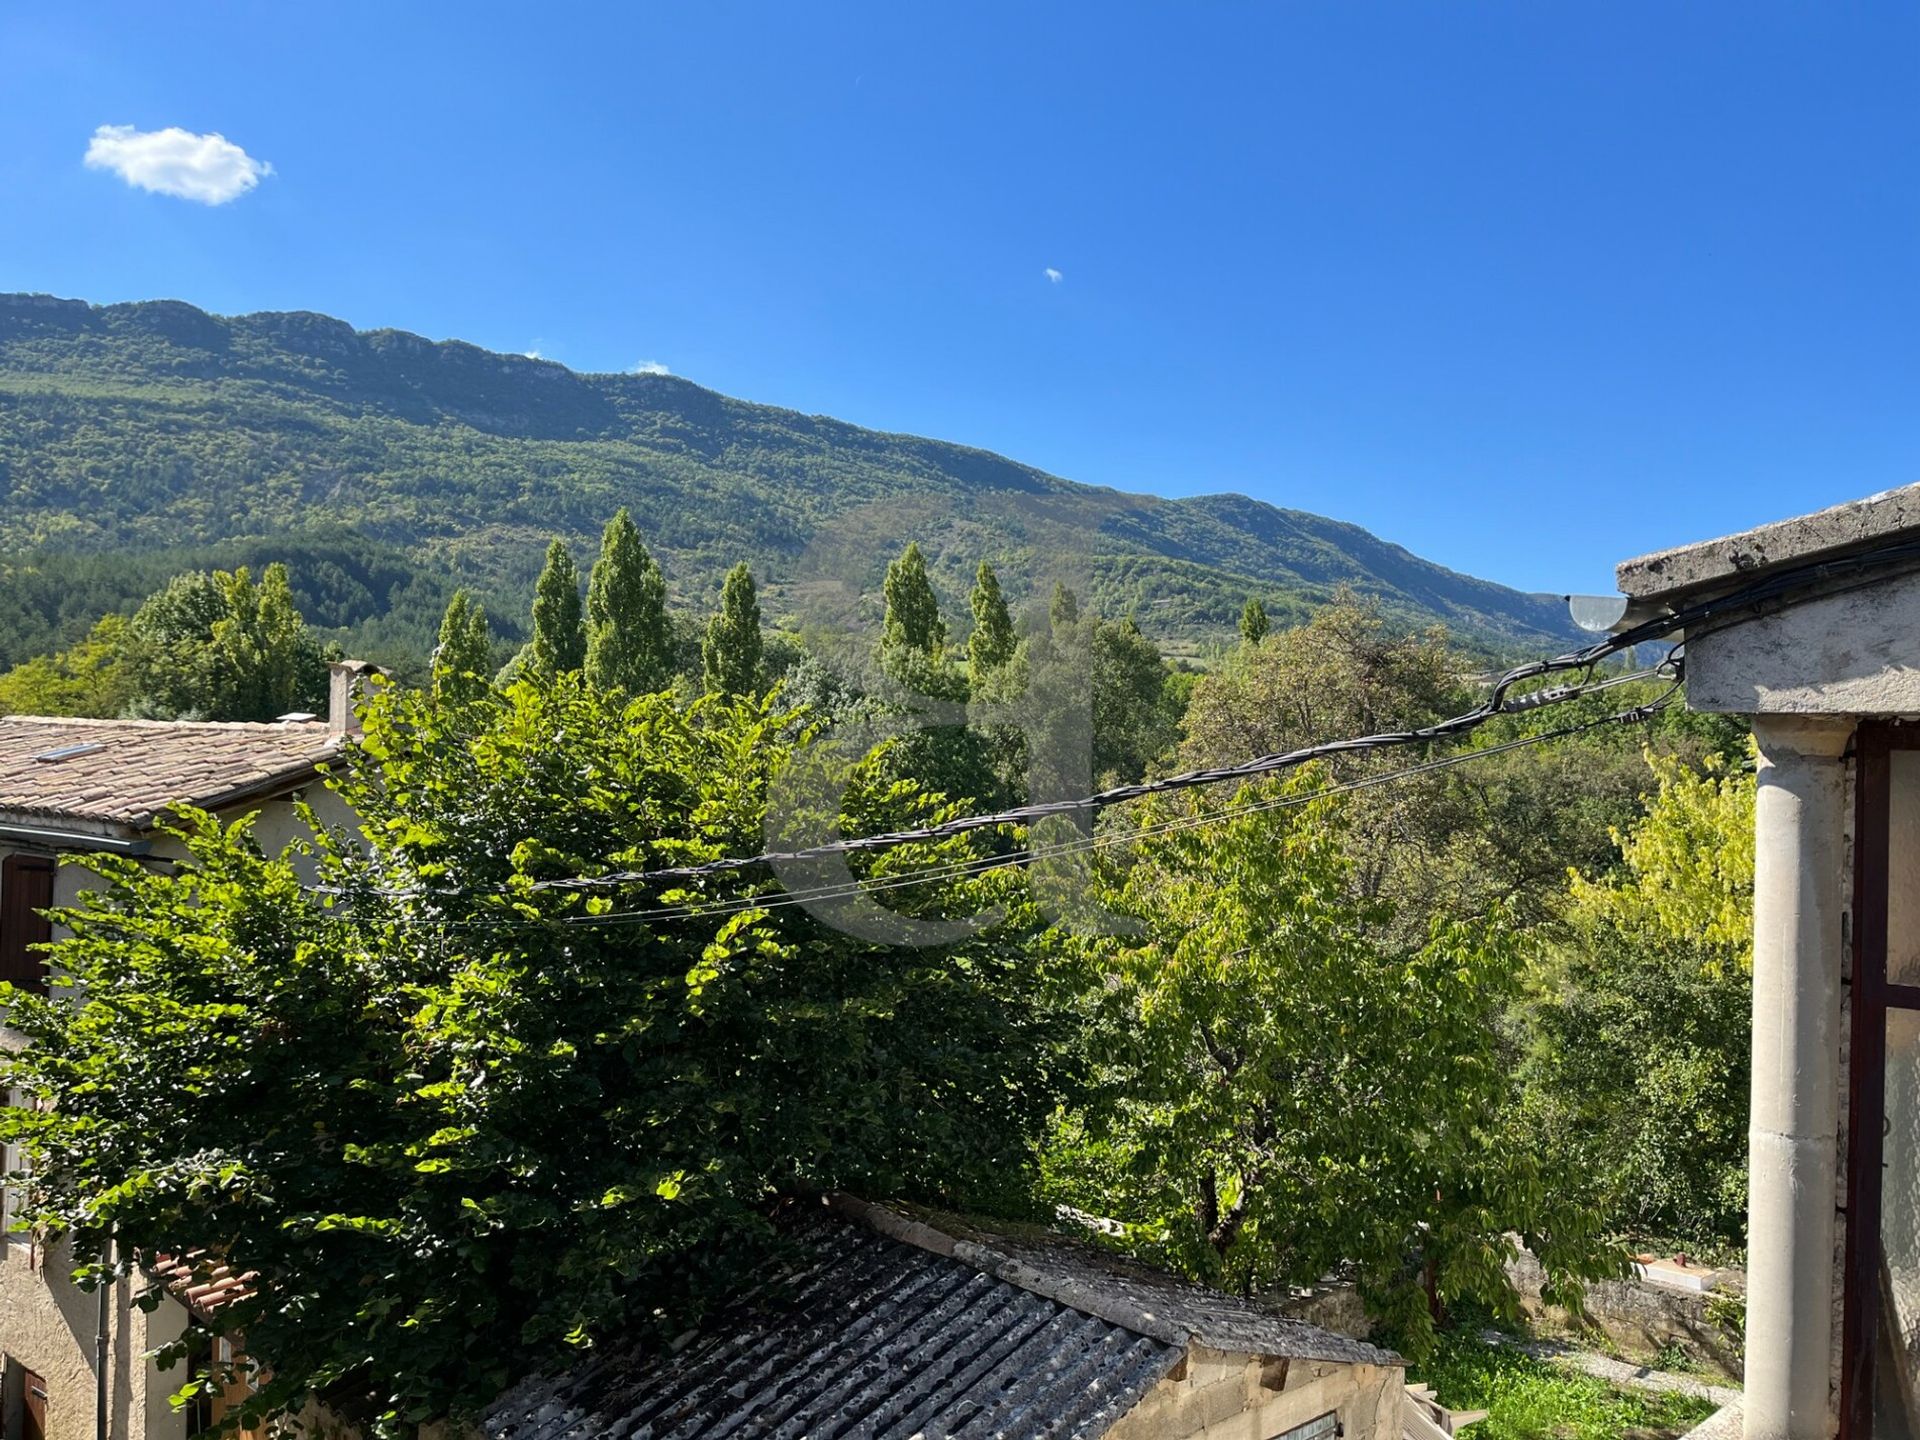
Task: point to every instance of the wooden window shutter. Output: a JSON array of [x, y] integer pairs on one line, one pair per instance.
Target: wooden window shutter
[[26, 889]]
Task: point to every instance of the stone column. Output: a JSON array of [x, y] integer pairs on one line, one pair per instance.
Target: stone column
[[1799, 845]]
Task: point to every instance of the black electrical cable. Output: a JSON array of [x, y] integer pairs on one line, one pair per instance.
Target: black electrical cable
[[982, 864], [1719, 611]]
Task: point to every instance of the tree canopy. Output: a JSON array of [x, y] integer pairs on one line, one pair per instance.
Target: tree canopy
[[629, 637], [1287, 1087], [1253, 622], [458, 1123], [732, 652], [991, 643], [913, 612], [558, 645], [1641, 1038], [463, 659]]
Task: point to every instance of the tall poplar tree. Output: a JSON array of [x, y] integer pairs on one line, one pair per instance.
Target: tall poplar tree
[[1253, 622], [462, 659], [1064, 608], [730, 655], [992, 642], [913, 614], [629, 639], [558, 645]]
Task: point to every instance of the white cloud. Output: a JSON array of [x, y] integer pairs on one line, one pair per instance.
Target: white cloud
[[210, 169], [649, 367], [533, 354], [1054, 277]]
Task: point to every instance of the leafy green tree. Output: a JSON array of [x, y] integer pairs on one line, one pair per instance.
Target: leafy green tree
[[913, 620], [926, 696], [731, 654], [1064, 607], [1501, 831], [378, 1103], [215, 645], [1093, 705], [1253, 622], [1289, 1089], [463, 659], [1642, 1032], [991, 644], [559, 643], [90, 678], [1346, 672], [629, 638], [1686, 867], [1134, 721]]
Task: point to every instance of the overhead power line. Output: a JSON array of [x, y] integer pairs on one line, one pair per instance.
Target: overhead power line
[[1260, 765], [982, 864], [1743, 603]]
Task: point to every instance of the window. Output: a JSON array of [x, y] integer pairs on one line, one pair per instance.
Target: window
[[26, 890], [1881, 1339], [1325, 1427]]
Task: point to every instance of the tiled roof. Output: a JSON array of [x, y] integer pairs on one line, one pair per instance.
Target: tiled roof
[[201, 1281], [886, 1336], [127, 771]]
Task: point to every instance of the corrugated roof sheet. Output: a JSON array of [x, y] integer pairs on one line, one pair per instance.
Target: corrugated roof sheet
[[141, 767], [896, 1329], [875, 1339]]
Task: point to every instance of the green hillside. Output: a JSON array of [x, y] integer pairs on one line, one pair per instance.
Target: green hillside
[[133, 437]]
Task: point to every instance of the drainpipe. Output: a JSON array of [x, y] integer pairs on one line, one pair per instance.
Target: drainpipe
[[1799, 825], [100, 1345]]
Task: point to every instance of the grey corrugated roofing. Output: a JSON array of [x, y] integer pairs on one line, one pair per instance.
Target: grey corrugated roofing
[[142, 767], [875, 1339], [892, 1329]]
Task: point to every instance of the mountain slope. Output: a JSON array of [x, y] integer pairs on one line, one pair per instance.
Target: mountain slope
[[156, 425]]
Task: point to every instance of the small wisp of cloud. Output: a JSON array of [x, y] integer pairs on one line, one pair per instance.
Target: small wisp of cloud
[[1054, 277], [208, 169], [649, 367]]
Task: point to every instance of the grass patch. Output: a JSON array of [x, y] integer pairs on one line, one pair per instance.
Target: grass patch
[[1530, 1399]]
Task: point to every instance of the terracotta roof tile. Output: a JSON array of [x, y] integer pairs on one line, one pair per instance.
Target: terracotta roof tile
[[141, 767], [201, 1281]]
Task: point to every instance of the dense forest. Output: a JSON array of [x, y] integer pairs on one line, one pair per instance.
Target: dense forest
[[1375, 1015], [143, 439], [1372, 1016]]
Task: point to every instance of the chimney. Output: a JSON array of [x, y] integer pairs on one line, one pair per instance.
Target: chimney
[[346, 681]]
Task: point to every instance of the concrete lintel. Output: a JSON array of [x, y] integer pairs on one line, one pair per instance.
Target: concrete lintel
[[1823, 534]]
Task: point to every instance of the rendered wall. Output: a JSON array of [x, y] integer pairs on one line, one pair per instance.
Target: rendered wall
[[1221, 1395], [49, 1326]]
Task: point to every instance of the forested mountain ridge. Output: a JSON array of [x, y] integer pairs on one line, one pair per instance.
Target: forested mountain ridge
[[134, 428]]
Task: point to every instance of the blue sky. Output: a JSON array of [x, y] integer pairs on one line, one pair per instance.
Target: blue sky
[[1525, 287]]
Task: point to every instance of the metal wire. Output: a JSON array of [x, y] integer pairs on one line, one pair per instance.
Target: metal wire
[[1078, 808], [977, 865], [1736, 606]]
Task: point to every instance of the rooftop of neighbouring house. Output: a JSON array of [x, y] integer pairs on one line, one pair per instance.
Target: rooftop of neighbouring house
[[915, 1330], [1877, 520], [202, 1281], [124, 773]]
